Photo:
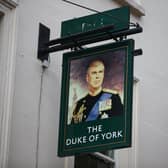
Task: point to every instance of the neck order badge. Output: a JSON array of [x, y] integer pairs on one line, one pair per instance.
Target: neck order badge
[[96, 96]]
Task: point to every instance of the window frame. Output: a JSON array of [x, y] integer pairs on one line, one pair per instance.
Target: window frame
[[7, 70]]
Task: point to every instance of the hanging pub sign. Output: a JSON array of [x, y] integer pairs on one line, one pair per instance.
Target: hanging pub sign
[[96, 99], [96, 94]]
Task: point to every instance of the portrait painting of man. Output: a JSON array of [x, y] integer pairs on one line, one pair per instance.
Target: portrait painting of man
[[96, 87]]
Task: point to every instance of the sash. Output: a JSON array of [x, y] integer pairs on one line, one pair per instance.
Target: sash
[[94, 113]]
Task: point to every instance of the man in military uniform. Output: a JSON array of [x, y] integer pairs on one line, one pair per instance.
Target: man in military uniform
[[99, 103]]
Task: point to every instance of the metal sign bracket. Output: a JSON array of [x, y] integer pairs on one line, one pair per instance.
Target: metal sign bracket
[[46, 46]]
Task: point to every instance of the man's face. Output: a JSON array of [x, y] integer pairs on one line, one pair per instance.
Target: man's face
[[95, 75]]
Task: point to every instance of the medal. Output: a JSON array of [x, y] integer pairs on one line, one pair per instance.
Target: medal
[[105, 105]]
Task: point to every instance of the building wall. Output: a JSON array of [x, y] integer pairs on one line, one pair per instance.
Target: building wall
[[152, 70], [35, 116]]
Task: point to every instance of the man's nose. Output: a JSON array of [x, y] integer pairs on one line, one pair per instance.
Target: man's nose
[[97, 76]]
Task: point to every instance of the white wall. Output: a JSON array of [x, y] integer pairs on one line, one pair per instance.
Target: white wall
[[25, 120], [23, 146], [151, 69]]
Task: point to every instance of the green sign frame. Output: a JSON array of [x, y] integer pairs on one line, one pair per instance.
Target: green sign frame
[[99, 134]]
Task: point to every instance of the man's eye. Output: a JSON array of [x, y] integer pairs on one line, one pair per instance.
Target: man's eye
[[94, 73]]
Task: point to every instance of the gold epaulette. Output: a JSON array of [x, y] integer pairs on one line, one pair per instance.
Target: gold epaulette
[[110, 91]]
